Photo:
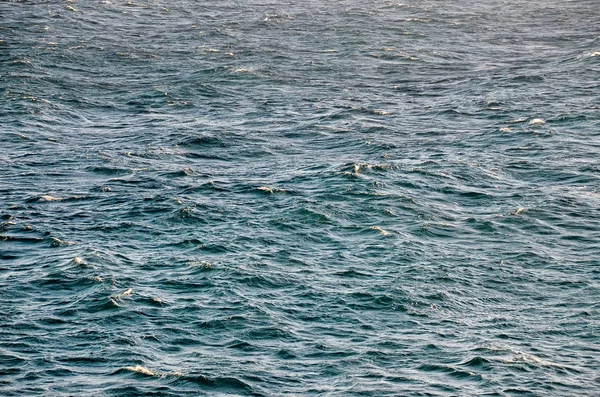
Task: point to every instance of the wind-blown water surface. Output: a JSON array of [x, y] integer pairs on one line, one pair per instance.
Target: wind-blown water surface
[[325, 198]]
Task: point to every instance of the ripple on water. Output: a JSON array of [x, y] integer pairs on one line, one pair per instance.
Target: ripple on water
[[298, 199]]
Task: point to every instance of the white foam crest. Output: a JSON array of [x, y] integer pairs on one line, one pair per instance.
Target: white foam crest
[[518, 211], [380, 112], [140, 370], [270, 190], [126, 293], [380, 230], [531, 359], [145, 371], [56, 242], [49, 198], [202, 264]]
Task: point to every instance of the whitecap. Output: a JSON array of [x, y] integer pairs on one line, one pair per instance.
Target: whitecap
[[49, 198], [380, 230], [531, 359], [127, 292], [521, 120], [270, 190], [145, 371], [140, 370], [202, 264], [266, 189], [380, 112], [56, 242]]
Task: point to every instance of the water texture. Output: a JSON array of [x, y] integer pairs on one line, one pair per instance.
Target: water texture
[[324, 198]]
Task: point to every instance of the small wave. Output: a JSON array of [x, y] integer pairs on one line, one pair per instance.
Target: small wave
[[203, 265], [528, 79], [108, 170], [224, 384], [20, 239], [351, 273], [305, 214], [56, 242], [49, 198], [270, 190], [241, 70], [537, 122], [356, 168], [518, 211], [140, 370], [368, 301], [204, 141], [380, 112], [519, 120], [277, 17], [454, 372], [477, 362], [145, 371], [126, 293], [530, 359], [380, 230]]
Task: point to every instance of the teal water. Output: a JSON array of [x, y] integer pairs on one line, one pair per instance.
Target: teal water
[[341, 198]]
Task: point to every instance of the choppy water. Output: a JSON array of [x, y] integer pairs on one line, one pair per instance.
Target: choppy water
[[332, 198]]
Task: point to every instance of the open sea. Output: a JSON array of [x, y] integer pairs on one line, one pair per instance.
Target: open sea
[[302, 198]]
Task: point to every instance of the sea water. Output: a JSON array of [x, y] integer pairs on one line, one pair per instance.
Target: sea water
[[311, 198]]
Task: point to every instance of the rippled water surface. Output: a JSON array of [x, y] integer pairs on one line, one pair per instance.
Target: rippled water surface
[[324, 198]]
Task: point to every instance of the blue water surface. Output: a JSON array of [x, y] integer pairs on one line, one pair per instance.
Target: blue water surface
[[316, 198]]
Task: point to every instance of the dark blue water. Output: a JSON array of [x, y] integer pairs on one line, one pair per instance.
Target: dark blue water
[[332, 198]]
